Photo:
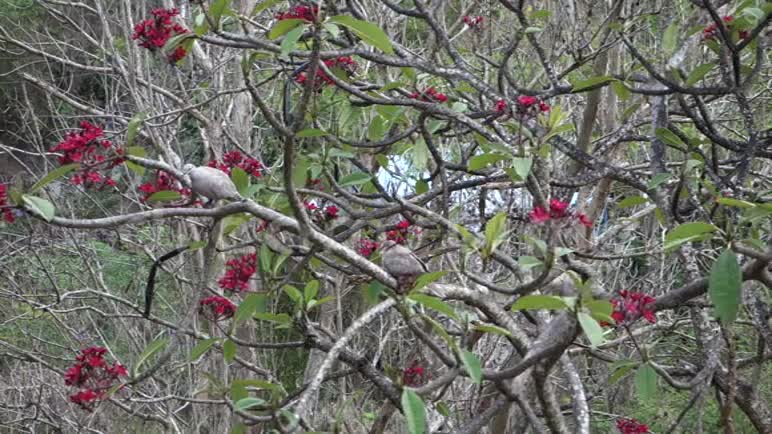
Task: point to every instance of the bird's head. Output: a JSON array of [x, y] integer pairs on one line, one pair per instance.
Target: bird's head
[[187, 168]]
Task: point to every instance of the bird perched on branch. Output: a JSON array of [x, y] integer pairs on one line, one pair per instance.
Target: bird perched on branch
[[211, 183], [402, 263]]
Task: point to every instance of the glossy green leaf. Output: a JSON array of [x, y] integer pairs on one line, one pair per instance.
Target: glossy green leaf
[[234, 221], [434, 303], [522, 166], [39, 206], [632, 201], [421, 186], [658, 180], [229, 350], [310, 291], [133, 128], [560, 129], [252, 304], [369, 33], [645, 382], [280, 318], [240, 179], [164, 196], [284, 26], [293, 293], [591, 82], [311, 132], [216, 10], [620, 371], [490, 328], [484, 160], [528, 262], [151, 349], [53, 175], [592, 329], [670, 38], [669, 137], [356, 178], [725, 286], [290, 41], [247, 403], [622, 92], [737, 203], [539, 301], [495, 231], [201, 348], [428, 278], [415, 412], [699, 72], [687, 232], [265, 5], [472, 365]]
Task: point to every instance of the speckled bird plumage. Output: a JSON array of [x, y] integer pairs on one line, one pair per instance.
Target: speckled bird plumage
[[211, 183], [400, 261]]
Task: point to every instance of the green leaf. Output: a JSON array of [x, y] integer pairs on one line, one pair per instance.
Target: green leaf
[[247, 403], [240, 179], [368, 32], [291, 40], [265, 255], [152, 348], [52, 175], [623, 93], [293, 293], [591, 82], [316, 303], [281, 318], [472, 366], [356, 178], [373, 291], [442, 408], [600, 309], [658, 179], [621, 371], [283, 26], [164, 196], [670, 38], [310, 291], [490, 328], [311, 132], [669, 137], [591, 328], [232, 222], [539, 301], [484, 160], [645, 382], [39, 206], [415, 412], [421, 186], [229, 350], [632, 201], [133, 128], [201, 348], [495, 230], [176, 41], [265, 5], [725, 287], [428, 278], [687, 232], [137, 151], [528, 262], [136, 168], [699, 72], [434, 303], [560, 129], [216, 10], [522, 166], [737, 203], [252, 303]]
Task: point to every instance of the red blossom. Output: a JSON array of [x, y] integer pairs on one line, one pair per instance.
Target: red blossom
[[415, 375], [631, 426], [429, 95], [711, 31], [236, 159], [92, 154], [538, 215], [399, 235], [93, 376], [153, 33], [300, 12], [530, 105], [262, 226], [631, 306], [5, 207], [473, 22], [345, 63], [366, 247], [310, 206], [526, 101], [178, 54], [543, 107], [501, 106], [331, 212], [584, 220], [558, 209], [238, 273], [216, 308]]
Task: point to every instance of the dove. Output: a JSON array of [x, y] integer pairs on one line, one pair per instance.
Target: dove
[[211, 183], [402, 263]]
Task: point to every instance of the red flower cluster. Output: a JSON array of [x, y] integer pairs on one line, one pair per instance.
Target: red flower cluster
[[346, 63], [93, 375], [632, 306], [473, 22], [557, 210], [237, 159], [331, 212], [320, 216], [86, 148], [163, 182], [216, 308], [153, 33], [429, 95], [399, 235], [415, 375], [239, 272], [299, 12], [5, 207], [711, 31], [366, 247], [500, 106], [527, 105], [631, 426]]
